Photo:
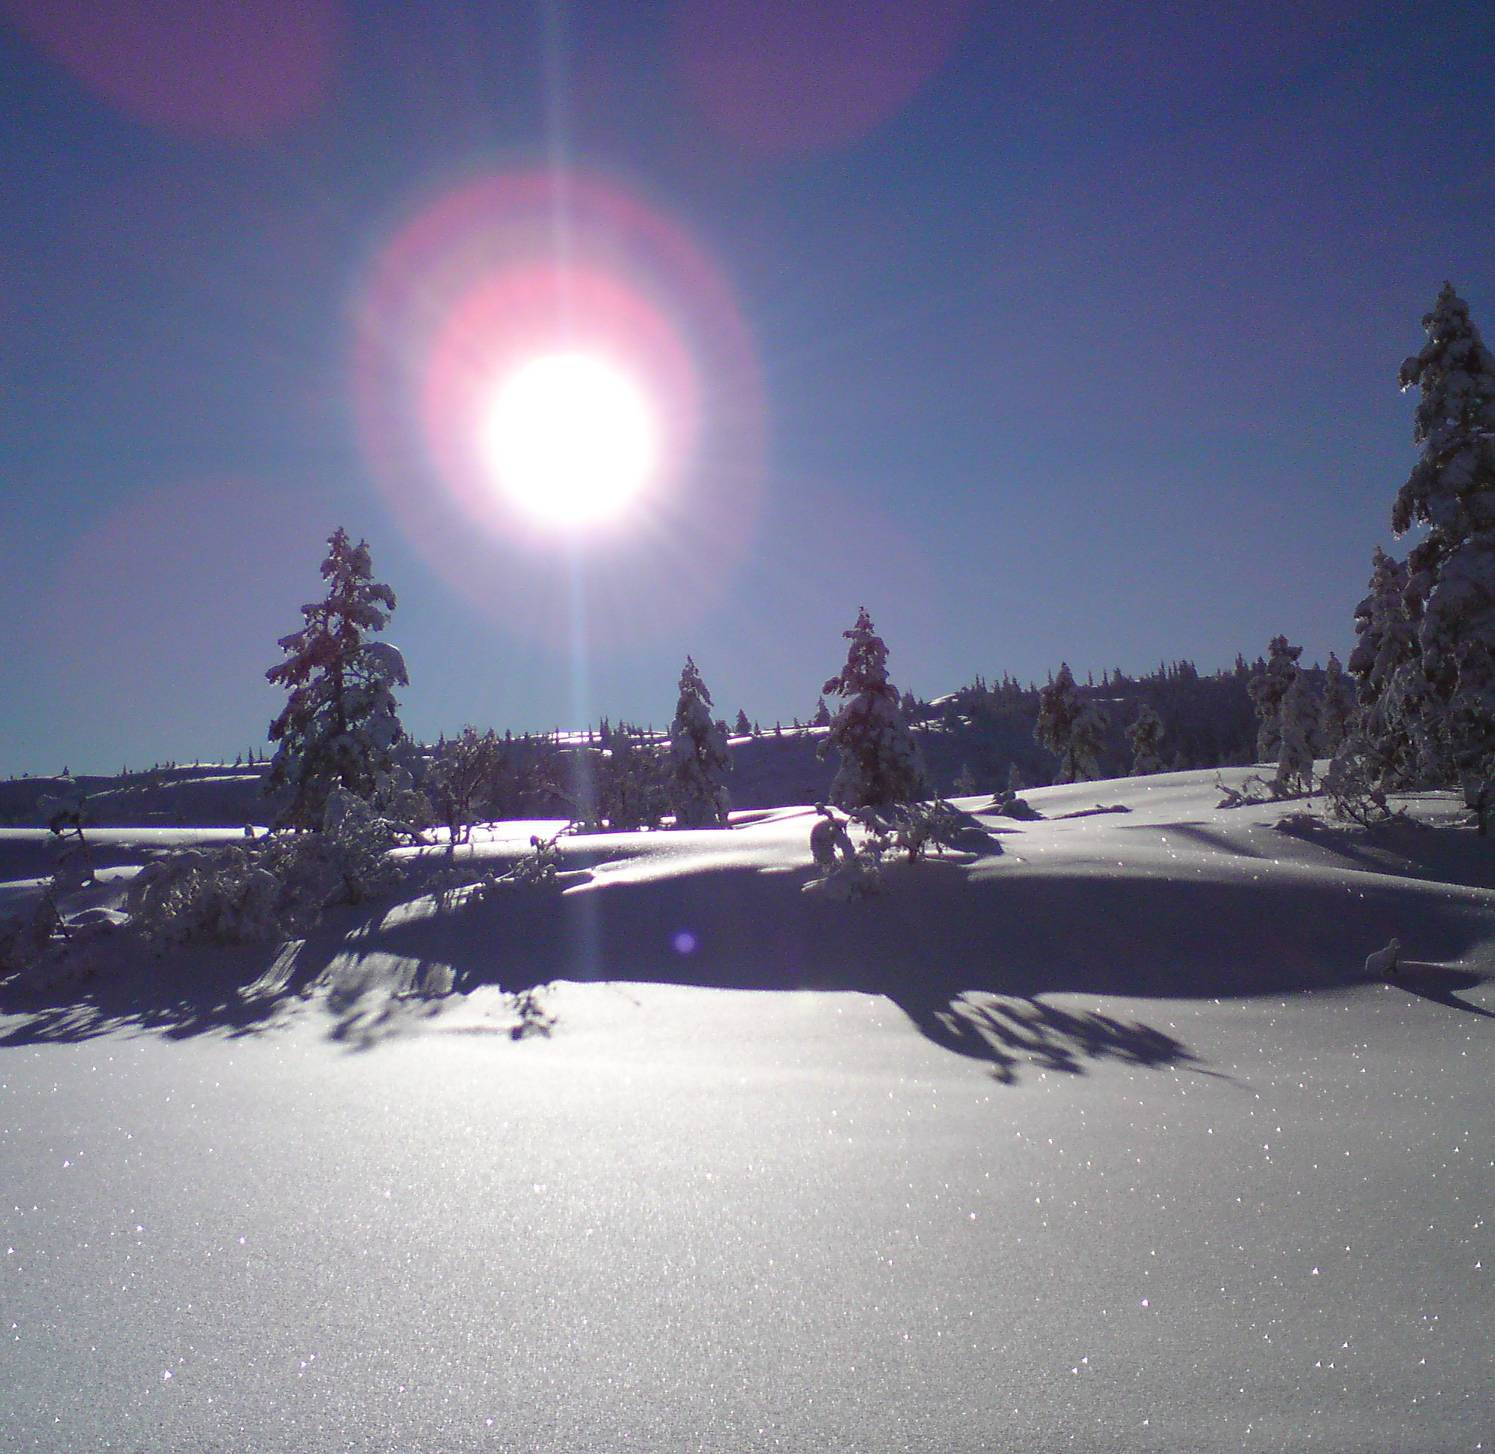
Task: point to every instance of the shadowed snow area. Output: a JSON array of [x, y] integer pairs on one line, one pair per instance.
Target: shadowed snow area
[[1092, 1135]]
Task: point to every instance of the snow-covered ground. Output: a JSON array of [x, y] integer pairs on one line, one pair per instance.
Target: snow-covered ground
[[1094, 1136]]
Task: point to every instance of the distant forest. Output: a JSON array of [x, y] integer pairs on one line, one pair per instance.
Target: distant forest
[[977, 739]]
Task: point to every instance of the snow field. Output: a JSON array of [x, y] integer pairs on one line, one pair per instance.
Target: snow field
[[1100, 1141]]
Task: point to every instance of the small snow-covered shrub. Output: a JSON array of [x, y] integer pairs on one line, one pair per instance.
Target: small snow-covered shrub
[[1257, 791], [846, 870], [42, 951], [914, 828], [541, 864], [829, 840], [1252, 793], [266, 888], [1010, 805], [539, 868], [355, 843], [72, 862], [858, 877], [207, 895], [27, 940], [1353, 784], [531, 1015]]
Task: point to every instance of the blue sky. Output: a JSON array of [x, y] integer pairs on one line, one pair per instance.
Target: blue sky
[[1044, 336]]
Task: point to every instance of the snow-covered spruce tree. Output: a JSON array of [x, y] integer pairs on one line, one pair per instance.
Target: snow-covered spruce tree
[[1267, 688], [1451, 491], [1072, 729], [1146, 735], [1297, 728], [822, 717], [1386, 665], [698, 757], [1088, 741], [742, 727], [1336, 709], [341, 722], [879, 760]]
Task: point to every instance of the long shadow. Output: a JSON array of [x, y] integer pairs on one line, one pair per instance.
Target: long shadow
[[179, 993], [998, 941], [1404, 847], [1433, 982]]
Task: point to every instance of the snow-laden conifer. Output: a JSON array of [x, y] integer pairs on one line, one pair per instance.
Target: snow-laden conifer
[[1386, 665], [1297, 728], [1336, 708], [1072, 729], [341, 722], [1146, 735], [1268, 687], [698, 757], [879, 760], [742, 727], [1451, 491], [822, 717]]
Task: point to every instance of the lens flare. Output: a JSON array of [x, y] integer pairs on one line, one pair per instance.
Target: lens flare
[[216, 69], [781, 79], [544, 365]]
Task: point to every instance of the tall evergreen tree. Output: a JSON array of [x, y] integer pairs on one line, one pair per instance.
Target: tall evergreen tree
[[341, 722], [1386, 665], [879, 760], [1074, 730], [1297, 728], [742, 727], [1336, 709], [698, 757], [1451, 491], [1146, 735], [1268, 686]]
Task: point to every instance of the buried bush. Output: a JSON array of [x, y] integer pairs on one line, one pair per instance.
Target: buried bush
[[268, 888], [852, 870]]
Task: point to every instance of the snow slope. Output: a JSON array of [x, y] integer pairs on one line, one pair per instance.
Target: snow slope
[[1092, 1137]]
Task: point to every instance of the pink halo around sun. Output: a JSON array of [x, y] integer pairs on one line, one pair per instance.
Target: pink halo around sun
[[507, 270], [817, 74], [222, 70]]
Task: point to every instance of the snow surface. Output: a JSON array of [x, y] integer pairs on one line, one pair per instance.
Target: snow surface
[[1096, 1138]]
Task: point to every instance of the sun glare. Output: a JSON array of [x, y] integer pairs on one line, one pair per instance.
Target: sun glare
[[570, 438]]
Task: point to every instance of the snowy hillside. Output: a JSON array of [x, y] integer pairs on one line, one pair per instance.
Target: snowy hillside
[[1092, 1134]]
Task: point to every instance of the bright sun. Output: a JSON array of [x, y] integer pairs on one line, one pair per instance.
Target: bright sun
[[570, 438]]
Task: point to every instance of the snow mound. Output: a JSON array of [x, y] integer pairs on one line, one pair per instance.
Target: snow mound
[[1173, 897]]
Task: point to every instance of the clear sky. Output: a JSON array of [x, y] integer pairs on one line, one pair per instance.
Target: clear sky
[[1047, 332]]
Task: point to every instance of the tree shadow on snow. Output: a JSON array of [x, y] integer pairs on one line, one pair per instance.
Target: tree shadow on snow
[[1011, 1033], [970, 953]]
